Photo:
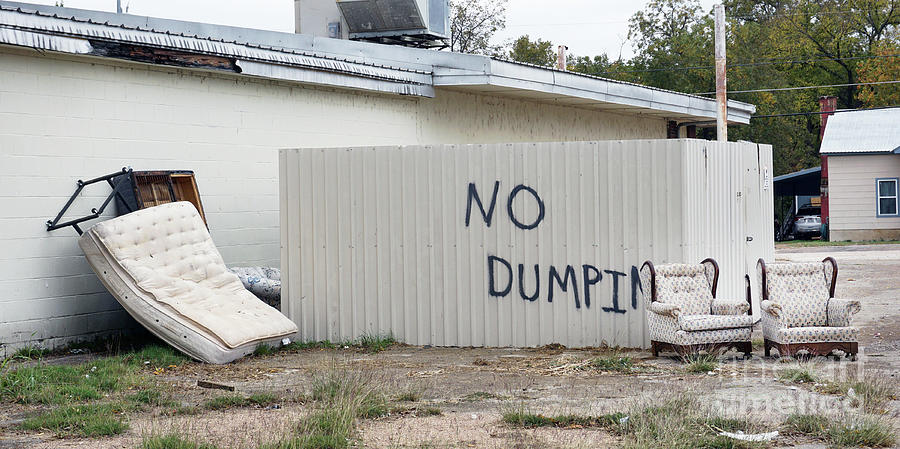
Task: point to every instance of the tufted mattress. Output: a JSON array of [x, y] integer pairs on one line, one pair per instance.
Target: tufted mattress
[[162, 266]]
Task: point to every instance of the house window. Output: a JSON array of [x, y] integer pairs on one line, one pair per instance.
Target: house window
[[887, 197]]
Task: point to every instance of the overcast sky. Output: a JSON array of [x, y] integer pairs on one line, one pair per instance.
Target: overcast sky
[[587, 27]]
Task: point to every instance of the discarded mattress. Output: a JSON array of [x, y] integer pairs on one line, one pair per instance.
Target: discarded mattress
[[264, 282], [161, 265]]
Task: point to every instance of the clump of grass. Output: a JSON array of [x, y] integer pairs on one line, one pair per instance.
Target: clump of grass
[[341, 398], [262, 399], [853, 431], [862, 431], [429, 411], [30, 353], [700, 362], [90, 420], [410, 395], [521, 418], [527, 420], [63, 384], [482, 396], [871, 392], [811, 425], [799, 374], [622, 364], [263, 350], [173, 441], [376, 343], [148, 396], [680, 421], [304, 345], [157, 356], [227, 401]]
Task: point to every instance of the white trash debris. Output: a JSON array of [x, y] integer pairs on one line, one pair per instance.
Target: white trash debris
[[285, 341], [740, 435]]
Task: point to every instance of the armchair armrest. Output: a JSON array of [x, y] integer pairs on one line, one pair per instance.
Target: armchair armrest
[[664, 309], [729, 307], [840, 310], [772, 308]]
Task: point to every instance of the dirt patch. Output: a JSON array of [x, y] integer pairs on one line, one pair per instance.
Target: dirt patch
[[467, 391]]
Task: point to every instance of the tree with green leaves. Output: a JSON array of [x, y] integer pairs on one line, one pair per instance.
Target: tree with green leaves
[[473, 24], [539, 52]]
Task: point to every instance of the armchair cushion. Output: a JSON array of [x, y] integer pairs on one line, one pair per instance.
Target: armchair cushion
[[729, 307], [816, 334], [682, 337], [713, 322], [801, 291], [840, 311], [685, 286], [665, 309]]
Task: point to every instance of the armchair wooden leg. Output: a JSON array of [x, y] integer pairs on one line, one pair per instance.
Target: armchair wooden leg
[[654, 346], [768, 347], [746, 347]]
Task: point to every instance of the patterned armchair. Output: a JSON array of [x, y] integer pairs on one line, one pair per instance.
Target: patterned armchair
[[800, 311], [683, 313]]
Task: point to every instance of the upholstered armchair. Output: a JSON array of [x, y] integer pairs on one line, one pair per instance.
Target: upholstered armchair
[[800, 311], [683, 313]]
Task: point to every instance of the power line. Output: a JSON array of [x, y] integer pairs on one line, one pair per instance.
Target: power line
[[794, 114], [753, 64], [824, 86]]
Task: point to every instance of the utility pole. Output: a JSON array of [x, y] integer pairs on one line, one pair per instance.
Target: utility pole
[[721, 98], [118, 6], [561, 57]]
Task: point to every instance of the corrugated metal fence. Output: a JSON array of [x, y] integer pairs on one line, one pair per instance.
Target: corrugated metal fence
[[510, 244]]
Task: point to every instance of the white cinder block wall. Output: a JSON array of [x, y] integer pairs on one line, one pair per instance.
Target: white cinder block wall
[[64, 118]]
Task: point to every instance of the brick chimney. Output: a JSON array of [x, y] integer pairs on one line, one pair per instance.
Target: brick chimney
[[561, 57], [826, 105]]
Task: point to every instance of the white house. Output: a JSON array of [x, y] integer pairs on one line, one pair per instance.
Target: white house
[[862, 149], [85, 93]]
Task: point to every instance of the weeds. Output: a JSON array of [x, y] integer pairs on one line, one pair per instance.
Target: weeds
[[376, 343], [871, 392], [811, 425], [172, 441], [853, 431], [700, 362], [521, 418], [410, 395], [236, 400], [482, 396], [862, 431], [264, 349], [30, 353], [799, 374], [90, 420], [613, 363]]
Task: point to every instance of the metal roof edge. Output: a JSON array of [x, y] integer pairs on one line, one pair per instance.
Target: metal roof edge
[[383, 63]]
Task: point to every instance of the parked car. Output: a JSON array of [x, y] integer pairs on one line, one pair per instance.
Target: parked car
[[808, 222]]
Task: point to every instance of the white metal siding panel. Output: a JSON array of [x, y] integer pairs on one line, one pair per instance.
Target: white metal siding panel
[[851, 191], [609, 204], [63, 118]]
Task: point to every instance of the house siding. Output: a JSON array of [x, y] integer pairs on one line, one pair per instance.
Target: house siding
[[64, 118], [852, 198]]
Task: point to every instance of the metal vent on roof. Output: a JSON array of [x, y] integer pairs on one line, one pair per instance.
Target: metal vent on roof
[[418, 23]]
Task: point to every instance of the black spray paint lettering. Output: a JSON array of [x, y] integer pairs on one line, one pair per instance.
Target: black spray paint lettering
[[488, 214], [492, 285], [589, 281], [563, 283], [473, 195], [501, 270], [615, 296], [537, 283]]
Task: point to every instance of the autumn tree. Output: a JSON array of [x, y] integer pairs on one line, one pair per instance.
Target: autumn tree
[[884, 68], [473, 24], [538, 52]]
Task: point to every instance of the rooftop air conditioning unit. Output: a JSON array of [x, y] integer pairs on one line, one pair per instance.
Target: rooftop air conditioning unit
[[416, 23]]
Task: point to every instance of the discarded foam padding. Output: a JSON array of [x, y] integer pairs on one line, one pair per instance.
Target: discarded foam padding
[[161, 264], [264, 282]]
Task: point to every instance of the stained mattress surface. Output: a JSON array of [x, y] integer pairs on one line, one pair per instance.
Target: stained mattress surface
[[168, 255]]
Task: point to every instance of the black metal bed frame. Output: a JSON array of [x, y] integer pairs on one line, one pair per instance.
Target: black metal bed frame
[[54, 224]]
